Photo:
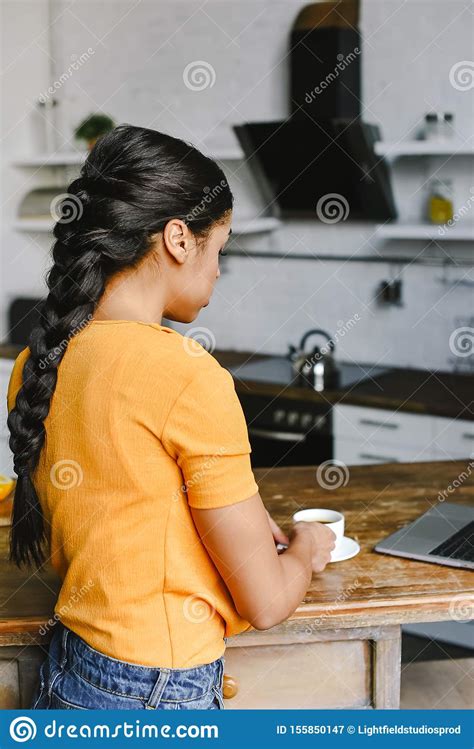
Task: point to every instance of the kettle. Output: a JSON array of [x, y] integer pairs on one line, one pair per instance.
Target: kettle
[[316, 369]]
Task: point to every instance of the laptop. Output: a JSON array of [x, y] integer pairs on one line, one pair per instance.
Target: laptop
[[443, 535]]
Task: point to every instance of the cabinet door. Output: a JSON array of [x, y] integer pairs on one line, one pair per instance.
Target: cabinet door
[[454, 438], [301, 676], [353, 453], [371, 435], [377, 426], [19, 675]]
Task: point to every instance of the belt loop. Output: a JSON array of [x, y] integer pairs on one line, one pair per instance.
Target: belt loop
[[64, 636], [57, 655], [221, 672], [157, 691]]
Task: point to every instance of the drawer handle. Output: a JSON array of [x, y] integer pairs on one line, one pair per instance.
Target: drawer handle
[[383, 424], [380, 458], [269, 434], [230, 687], [467, 436]]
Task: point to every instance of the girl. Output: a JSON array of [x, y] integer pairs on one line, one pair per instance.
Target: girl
[[131, 449]]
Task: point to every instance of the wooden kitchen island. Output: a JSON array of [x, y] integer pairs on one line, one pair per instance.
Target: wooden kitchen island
[[341, 648]]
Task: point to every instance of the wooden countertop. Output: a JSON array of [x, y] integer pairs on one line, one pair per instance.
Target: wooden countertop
[[374, 588], [370, 589], [9, 350]]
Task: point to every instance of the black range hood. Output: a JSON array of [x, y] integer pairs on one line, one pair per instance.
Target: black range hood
[[324, 149], [298, 163]]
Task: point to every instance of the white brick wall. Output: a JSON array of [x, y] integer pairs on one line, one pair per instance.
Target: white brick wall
[[135, 74]]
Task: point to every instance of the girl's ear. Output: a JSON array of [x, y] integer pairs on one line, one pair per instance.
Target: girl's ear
[[177, 239]]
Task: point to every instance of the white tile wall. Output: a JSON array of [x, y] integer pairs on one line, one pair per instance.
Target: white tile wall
[[135, 74]]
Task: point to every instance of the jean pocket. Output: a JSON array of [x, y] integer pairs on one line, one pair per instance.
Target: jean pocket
[[72, 692], [56, 703]]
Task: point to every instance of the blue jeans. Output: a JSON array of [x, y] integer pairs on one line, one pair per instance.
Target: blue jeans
[[75, 676]]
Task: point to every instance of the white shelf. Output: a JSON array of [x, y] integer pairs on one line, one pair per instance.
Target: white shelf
[[45, 224], [440, 147], [76, 158], [223, 154], [255, 226], [459, 232], [72, 158], [239, 227]]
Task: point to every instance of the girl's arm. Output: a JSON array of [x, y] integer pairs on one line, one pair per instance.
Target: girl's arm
[[266, 587]]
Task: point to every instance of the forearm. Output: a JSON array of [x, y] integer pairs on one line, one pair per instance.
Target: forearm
[[296, 572], [265, 587], [294, 578]]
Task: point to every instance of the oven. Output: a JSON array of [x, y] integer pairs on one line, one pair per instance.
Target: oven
[[290, 430], [286, 431]]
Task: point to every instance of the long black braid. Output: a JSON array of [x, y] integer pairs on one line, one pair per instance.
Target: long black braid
[[132, 183]]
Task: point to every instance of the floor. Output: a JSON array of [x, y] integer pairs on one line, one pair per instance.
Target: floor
[[436, 676]]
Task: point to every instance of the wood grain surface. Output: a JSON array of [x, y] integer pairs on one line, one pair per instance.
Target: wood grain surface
[[374, 588], [369, 590]]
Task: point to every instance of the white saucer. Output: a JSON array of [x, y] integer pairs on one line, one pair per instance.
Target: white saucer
[[346, 549]]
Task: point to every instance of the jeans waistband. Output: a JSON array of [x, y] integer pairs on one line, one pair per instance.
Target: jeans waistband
[[74, 655]]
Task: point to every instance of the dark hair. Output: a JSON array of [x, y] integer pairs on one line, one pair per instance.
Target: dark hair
[[132, 183]]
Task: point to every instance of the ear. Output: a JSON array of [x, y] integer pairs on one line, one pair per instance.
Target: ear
[[177, 239]]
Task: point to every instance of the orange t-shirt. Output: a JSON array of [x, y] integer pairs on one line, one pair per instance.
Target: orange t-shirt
[[144, 423]]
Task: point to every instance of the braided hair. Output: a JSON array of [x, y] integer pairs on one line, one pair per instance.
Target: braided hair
[[132, 183]]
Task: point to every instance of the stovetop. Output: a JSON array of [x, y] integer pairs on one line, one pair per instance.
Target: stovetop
[[279, 370]]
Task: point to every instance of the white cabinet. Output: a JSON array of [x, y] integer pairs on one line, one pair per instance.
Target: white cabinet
[[453, 439], [6, 458], [353, 453], [371, 435]]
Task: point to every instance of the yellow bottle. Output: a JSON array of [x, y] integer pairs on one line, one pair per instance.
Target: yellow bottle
[[440, 204]]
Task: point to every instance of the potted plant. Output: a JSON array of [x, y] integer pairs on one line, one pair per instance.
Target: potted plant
[[93, 127]]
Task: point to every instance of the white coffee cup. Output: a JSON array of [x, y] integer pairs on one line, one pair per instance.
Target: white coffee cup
[[333, 519]]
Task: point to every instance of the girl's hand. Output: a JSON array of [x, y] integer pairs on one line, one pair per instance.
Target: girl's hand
[[277, 533], [323, 542]]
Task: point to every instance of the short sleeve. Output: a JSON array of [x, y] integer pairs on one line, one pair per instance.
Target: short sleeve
[[206, 434]]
